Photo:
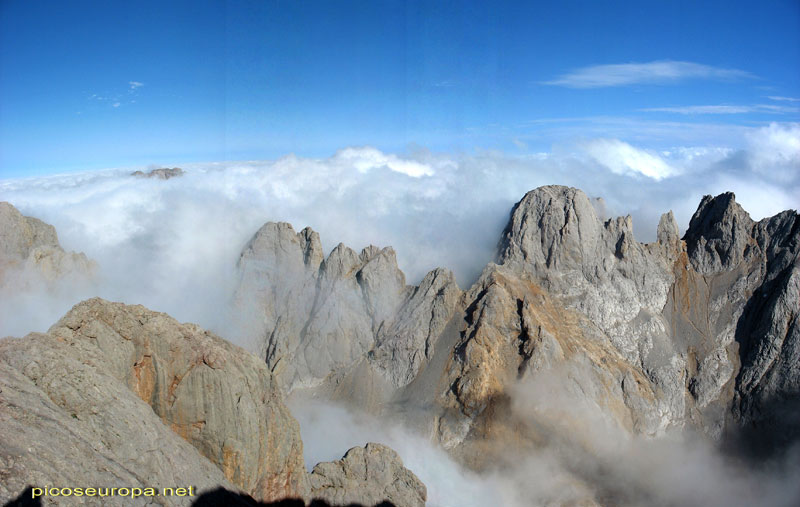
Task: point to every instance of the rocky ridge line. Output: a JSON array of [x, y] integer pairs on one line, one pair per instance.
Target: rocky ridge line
[[698, 332]]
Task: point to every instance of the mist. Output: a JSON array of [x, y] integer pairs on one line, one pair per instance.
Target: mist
[[583, 458], [172, 245]]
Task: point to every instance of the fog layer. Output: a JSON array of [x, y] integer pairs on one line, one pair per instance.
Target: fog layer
[[172, 245]]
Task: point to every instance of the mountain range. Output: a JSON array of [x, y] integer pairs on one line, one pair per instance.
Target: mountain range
[[575, 337]]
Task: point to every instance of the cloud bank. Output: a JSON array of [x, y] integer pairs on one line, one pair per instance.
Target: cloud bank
[[173, 245]]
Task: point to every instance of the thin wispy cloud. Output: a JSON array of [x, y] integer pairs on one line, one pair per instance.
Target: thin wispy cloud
[[723, 109], [657, 72], [115, 100], [783, 99]]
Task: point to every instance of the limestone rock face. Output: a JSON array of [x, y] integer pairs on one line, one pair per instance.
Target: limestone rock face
[[19, 235], [367, 475], [29, 245], [555, 240], [705, 328], [758, 265], [148, 401], [317, 318], [66, 421], [718, 234], [697, 332], [216, 396], [408, 343]]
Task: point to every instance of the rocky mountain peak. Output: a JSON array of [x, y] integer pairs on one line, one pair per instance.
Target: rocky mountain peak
[[278, 243], [373, 475], [667, 232], [19, 234], [552, 227], [355, 306], [718, 234]]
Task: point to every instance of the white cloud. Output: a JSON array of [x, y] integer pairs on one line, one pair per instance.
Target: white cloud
[[135, 84], [775, 151], [366, 158], [777, 109], [156, 241], [723, 109], [783, 99], [657, 72], [622, 158], [701, 109]]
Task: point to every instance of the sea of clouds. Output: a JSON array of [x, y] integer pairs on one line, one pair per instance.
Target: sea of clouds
[[173, 245]]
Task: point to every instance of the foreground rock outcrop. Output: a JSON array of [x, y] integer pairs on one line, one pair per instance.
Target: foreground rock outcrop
[[133, 390], [120, 396], [368, 475]]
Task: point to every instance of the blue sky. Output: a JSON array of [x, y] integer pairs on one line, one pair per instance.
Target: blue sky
[[88, 85]]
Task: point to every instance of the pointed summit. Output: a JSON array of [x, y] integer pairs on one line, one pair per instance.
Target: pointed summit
[[718, 234]]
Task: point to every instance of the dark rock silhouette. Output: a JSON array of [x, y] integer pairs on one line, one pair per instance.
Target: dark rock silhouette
[[25, 499], [222, 496]]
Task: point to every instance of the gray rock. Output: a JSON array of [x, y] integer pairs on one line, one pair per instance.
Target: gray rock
[[29, 246], [768, 383], [134, 398], [19, 235], [696, 332], [367, 475], [315, 321], [66, 422], [406, 345], [161, 174], [278, 279], [555, 239], [718, 234]]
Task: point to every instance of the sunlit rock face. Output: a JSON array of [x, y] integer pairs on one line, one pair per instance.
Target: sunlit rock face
[[698, 332], [118, 395], [121, 376], [367, 475]]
